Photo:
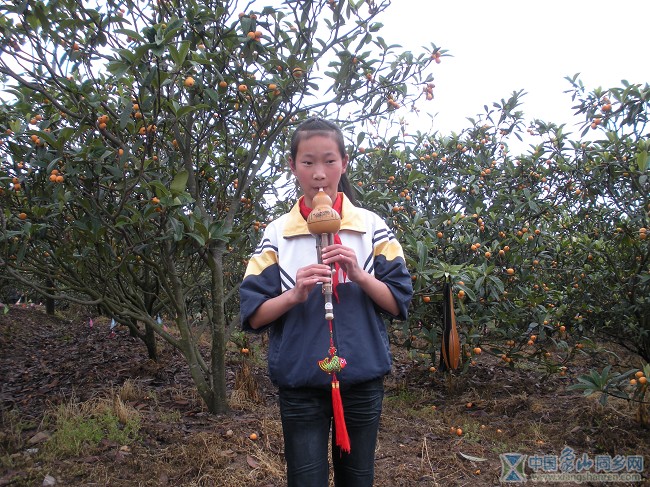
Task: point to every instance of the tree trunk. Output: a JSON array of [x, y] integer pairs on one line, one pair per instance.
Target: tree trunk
[[211, 390], [49, 302], [150, 341], [218, 328]]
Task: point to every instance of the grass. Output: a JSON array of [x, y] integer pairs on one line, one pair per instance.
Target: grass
[[11, 436], [78, 427]]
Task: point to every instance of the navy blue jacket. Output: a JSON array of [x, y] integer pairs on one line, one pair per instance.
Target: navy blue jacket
[[300, 338]]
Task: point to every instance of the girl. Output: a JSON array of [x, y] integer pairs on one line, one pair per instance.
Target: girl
[[281, 291]]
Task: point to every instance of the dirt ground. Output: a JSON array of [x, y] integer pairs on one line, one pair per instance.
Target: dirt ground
[[46, 361]]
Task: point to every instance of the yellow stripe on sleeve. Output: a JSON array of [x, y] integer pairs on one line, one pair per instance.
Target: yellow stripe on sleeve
[[259, 262], [391, 249]]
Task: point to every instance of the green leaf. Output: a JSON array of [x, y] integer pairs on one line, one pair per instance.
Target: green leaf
[[179, 55], [179, 183], [199, 238], [171, 30], [177, 228], [117, 68], [182, 111], [642, 160], [131, 33]]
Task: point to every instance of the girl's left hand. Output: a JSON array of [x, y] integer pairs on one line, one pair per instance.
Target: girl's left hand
[[346, 258]]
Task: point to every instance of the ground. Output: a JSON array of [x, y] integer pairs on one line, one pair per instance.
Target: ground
[[50, 364]]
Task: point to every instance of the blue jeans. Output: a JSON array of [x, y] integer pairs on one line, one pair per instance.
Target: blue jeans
[[306, 419]]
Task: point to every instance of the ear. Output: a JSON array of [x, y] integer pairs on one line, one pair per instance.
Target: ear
[[346, 159], [292, 166]]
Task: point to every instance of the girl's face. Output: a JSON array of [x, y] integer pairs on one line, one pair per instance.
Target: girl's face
[[318, 164]]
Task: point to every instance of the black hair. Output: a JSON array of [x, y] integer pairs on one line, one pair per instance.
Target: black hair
[[318, 126]]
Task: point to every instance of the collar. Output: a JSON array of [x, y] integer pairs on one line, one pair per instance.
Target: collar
[[352, 219]]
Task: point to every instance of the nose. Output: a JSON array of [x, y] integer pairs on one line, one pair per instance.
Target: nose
[[318, 173]]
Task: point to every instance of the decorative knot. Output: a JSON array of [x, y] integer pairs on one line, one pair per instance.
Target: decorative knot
[[332, 364]]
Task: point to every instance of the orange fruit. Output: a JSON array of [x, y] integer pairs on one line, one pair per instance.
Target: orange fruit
[[245, 351], [253, 436], [22, 216], [59, 179], [459, 432], [426, 299], [223, 84], [477, 350], [461, 294], [189, 82], [297, 72], [242, 88], [510, 271]]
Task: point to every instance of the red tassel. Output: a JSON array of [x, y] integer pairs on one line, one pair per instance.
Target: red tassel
[[342, 438]]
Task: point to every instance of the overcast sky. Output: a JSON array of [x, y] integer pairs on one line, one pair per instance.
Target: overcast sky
[[506, 45]]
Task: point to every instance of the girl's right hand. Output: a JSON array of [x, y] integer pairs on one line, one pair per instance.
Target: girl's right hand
[[307, 277]]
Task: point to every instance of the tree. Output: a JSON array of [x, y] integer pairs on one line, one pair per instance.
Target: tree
[[545, 248], [141, 139]]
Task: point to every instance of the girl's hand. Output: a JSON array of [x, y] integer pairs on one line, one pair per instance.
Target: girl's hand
[[346, 258], [307, 277], [378, 291]]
